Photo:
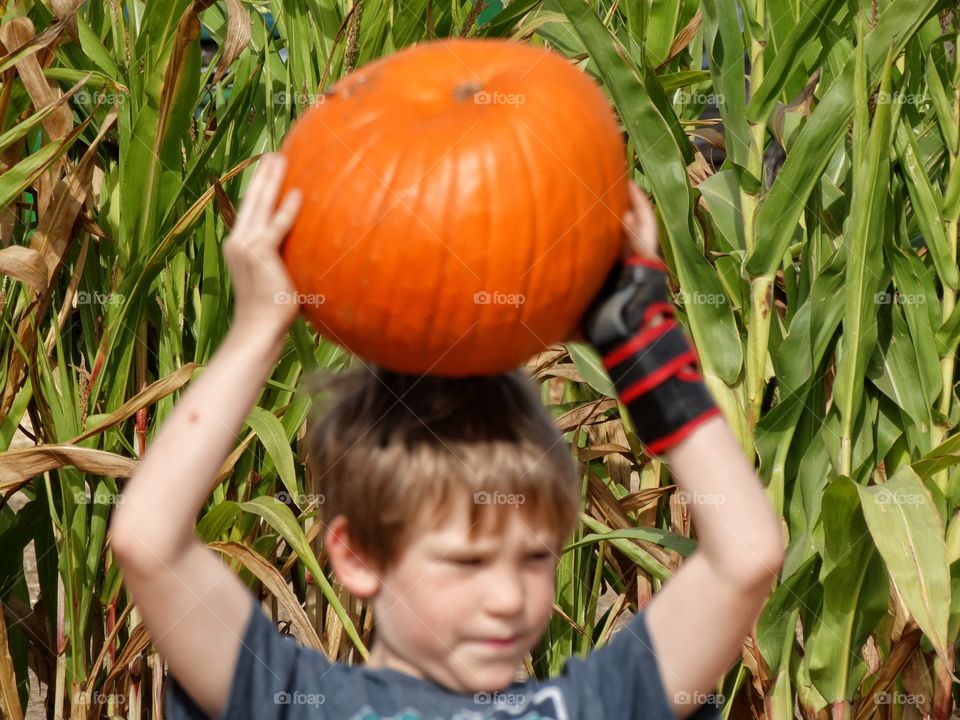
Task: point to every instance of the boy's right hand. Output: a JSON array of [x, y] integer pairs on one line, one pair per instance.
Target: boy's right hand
[[632, 324], [640, 226], [640, 238]]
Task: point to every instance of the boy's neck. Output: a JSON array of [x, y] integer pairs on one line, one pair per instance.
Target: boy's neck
[[381, 657]]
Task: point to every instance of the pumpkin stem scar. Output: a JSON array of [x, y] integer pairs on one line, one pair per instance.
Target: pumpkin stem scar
[[465, 91]]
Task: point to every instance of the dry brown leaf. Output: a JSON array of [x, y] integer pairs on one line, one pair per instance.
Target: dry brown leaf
[[619, 468], [9, 699], [227, 211], [274, 582], [545, 359], [238, 37], [871, 656], [569, 620], [148, 396], [638, 500], [66, 12], [943, 685], [917, 683], [233, 458], [55, 230], [601, 450], [612, 515], [683, 38], [567, 372], [333, 628], [16, 50], [19, 32], [579, 416], [134, 648], [17, 467], [615, 610], [188, 33], [900, 651], [24, 264]]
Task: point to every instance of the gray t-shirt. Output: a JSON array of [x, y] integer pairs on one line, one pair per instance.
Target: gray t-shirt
[[275, 678]]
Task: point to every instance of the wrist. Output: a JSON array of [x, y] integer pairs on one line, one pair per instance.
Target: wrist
[[653, 365], [656, 376], [257, 344]]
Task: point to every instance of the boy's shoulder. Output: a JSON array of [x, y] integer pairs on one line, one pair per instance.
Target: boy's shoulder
[[275, 677]]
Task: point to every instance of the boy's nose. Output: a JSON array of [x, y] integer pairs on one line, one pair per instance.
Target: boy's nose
[[505, 594]]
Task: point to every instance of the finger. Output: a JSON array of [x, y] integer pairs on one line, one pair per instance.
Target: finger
[[644, 231], [261, 192], [269, 188], [284, 218], [247, 209], [632, 245]]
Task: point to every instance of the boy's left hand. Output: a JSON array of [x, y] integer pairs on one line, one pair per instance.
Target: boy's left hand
[[264, 293], [640, 237]]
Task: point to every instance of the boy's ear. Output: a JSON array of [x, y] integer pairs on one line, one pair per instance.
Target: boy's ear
[[356, 572]]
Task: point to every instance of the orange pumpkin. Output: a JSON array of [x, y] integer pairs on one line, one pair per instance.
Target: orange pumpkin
[[462, 204]]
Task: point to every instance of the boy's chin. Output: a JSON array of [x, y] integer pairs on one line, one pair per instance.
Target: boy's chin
[[490, 679]]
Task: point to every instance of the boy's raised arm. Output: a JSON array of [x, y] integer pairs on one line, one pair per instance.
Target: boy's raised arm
[[155, 517], [698, 621], [193, 606]]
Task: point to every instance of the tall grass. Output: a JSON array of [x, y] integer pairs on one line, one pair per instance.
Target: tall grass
[[814, 257]]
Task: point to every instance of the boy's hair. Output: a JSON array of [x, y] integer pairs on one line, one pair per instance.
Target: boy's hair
[[393, 453]]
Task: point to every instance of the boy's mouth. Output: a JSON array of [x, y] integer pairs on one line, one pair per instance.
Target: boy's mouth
[[502, 642]]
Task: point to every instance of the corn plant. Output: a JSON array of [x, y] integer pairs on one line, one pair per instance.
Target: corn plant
[[802, 159]]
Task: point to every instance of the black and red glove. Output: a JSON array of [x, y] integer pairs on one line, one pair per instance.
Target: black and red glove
[[653, 365]]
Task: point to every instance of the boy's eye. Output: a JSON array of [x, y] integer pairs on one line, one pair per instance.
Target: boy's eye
[[466, 561]]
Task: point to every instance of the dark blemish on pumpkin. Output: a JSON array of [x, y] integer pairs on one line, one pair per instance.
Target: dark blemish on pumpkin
[[465, 91]]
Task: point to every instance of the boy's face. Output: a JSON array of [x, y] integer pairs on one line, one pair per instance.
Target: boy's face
[[465, 613]]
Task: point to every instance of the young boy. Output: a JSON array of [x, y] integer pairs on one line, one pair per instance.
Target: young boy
[[446, 504]]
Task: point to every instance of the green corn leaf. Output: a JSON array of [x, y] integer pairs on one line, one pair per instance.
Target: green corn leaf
[[823, 133], [271, 433], [278, 516], [909, 533]]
